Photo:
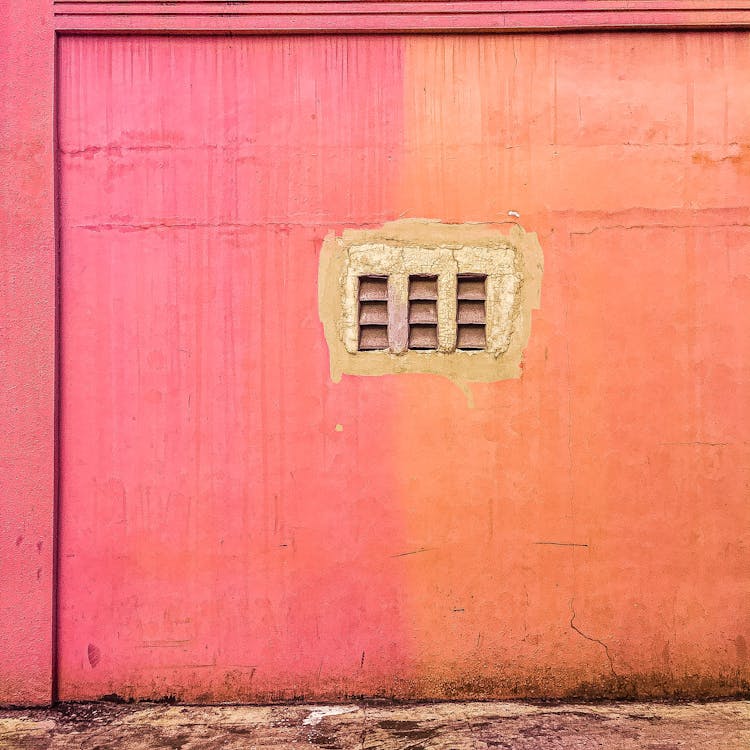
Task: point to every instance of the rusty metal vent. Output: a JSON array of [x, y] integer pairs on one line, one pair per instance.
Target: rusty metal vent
[[373, 312], [471, 291], [423, 317]]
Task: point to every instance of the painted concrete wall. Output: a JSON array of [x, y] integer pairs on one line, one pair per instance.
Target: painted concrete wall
[[236, 526], [27, 353]]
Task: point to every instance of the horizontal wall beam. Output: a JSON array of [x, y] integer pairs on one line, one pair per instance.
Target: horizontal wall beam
[[399, 16]]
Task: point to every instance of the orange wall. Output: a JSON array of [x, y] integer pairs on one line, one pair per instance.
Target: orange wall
[[578, 531]]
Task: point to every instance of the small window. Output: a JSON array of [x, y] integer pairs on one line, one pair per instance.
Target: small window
[[471, 292], [373, 312], [418, 295], [423, 317]]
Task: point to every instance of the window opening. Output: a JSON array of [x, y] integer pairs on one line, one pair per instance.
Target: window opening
[[471, 292], [418, 295], [373, 312], [423, 317]]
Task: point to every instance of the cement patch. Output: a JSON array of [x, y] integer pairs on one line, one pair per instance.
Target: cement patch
[[513, 266]]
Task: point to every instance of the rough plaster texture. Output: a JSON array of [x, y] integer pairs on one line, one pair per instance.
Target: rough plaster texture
[[27, 358], [513, 265]]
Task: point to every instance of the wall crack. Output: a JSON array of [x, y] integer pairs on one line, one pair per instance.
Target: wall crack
[[593, 640]]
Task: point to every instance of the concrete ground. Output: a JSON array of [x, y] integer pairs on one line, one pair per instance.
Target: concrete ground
[[652, 726]]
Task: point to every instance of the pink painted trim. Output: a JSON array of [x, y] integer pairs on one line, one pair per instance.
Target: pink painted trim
[[27, 351], [400, 15]]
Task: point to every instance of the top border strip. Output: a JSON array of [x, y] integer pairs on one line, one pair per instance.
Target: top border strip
[[295, 16]]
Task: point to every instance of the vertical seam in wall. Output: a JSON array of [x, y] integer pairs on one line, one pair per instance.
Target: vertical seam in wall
[[56, 524]]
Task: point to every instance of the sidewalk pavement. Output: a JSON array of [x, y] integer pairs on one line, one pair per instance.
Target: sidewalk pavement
[[723, 725]]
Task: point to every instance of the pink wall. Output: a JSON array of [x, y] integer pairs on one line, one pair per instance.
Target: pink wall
[[229, 541], [27, 324], [578, 532]]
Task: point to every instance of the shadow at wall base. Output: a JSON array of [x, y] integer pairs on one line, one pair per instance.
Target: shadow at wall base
[[659, 686]]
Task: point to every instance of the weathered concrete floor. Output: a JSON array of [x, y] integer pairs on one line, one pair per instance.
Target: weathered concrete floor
[[654, 726]]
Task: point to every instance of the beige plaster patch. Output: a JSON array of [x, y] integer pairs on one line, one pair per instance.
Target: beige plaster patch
[[513, 265]]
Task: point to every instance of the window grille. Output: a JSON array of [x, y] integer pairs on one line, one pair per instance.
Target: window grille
[[423, 315], [471, 320], [373, 313], [379, 325], [421, 296]]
